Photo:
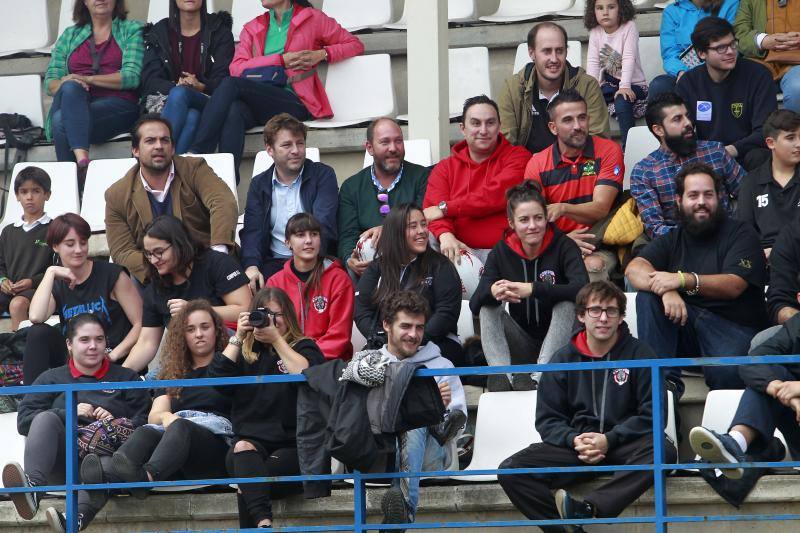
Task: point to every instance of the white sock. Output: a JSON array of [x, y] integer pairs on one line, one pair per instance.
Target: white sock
[[739, 438]]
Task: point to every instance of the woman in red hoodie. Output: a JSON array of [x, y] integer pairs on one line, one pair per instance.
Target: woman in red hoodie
[[319, 288]]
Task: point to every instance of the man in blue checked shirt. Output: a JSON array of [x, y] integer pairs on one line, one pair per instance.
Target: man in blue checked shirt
[[653, 178]]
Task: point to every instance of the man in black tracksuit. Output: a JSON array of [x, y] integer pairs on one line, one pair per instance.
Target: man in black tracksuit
[[600, 417], [784, 280]]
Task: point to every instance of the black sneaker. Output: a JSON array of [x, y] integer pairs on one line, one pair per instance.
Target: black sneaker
[[449, 427], [57, 520], [393, 505], [716, 448], [26, 503], [92, 473], [522, 382], [568, 507], [130, 472]]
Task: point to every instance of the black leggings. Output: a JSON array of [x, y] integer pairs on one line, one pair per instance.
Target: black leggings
[[185, 447], [255, 499], [45, 348]]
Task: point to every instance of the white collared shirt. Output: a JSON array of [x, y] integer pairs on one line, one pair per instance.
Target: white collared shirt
[[26, 227], [159, 195]]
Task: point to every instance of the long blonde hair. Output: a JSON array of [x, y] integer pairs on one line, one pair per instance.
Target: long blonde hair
[[250, 348]]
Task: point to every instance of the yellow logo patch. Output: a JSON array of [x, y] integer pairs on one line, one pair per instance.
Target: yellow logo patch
[[736, 109]]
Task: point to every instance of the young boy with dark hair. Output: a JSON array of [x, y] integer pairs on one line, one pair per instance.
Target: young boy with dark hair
[[24, 254]]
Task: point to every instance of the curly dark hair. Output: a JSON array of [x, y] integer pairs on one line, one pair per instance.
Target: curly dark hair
[[176, 359], [407, 301], [626, 13]]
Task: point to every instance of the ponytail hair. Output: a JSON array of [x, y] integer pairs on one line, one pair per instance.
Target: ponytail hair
[[527, 191]]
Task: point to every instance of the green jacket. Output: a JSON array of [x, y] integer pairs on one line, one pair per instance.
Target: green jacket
[[359, 208], [517, 95], [127, 33], [751, 19]]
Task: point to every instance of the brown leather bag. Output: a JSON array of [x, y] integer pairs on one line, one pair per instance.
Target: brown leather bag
[[782, 20]]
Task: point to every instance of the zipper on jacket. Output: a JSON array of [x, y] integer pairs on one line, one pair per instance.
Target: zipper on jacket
[[527, 300], [602, 414], [303, 308], [535, 299]]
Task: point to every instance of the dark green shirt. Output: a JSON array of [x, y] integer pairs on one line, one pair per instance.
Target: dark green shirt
[[24, 254]]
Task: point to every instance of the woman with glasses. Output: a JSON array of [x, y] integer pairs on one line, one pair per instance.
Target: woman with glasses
[[79, 285], [405, 261], [180, 269], [319, 288], [268, 341], [537, 271]]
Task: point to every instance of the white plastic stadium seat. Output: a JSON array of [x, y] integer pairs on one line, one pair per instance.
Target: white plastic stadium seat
[[630, 314], [64, 191], [350, 103], [457, 11], [242, 12], [519, 10], [719, 410], [417, 151], [23, 95], [23, 26], [640, 143], [354, 15], [466, 324], [263, 161], [644, 4], [222, 165], [504, 426], [13, 448], [101, 174], [64, 22], [662, 5], [357, 339], [159, 9], [650, 49], [574, 55], [576, 10]]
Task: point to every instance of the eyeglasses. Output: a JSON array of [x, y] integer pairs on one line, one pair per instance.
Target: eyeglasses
[[158, 253], [721, 49], [383, 197], [596, 311]]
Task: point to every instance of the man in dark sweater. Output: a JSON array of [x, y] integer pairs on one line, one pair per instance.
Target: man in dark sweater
[[784, 277], [24, 254], [577, 431], [366, 197], [728, 97]]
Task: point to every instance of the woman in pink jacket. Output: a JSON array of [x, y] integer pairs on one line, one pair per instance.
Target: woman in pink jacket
[[274, 70]]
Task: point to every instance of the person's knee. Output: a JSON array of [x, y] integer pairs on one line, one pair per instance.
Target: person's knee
[[71, 88], [18, 306], [45, 419], [179, 428], [243, 446], [179, 94], [594, 263]]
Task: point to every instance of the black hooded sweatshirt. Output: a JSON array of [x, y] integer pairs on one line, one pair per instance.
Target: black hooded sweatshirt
[[557, 274], [615, 402]]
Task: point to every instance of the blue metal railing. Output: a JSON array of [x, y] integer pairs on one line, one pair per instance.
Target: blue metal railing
[[660, 519]]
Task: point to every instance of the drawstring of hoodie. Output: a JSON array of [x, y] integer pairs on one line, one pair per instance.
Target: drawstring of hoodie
[[528, 300], [602, 414]]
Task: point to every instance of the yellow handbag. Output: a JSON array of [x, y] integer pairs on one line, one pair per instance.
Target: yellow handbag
[[625, 226]]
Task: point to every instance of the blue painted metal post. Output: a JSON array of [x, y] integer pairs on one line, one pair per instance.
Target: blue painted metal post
[[659, 492], [72, 463], [359, 503]]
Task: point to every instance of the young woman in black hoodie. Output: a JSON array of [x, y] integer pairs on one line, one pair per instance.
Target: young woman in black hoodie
[[264, 417], [537, 270], [187, 56], [405, 261]]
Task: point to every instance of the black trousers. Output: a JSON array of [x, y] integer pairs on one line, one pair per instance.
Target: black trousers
[[764, 414], [185, 448], [255, 499], [531, 493], [45, 348]]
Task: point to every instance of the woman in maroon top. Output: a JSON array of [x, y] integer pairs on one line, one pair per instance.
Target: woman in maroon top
[[187, 57]]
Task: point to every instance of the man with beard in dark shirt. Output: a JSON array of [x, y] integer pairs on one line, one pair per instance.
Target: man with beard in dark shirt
[[701, 286]]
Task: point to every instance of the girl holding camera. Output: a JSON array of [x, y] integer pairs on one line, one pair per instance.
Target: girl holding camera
[[319, 288], [268, 341]]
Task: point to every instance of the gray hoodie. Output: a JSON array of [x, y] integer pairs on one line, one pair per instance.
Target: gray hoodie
[[430, 356]]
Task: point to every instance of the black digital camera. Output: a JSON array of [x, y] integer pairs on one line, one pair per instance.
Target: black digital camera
[[260, 318]]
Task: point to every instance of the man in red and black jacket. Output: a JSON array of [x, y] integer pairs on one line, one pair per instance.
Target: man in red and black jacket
[[581, 177]]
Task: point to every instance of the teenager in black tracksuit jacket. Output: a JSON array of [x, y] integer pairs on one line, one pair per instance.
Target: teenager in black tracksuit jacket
[[163, 64], [617, 403]]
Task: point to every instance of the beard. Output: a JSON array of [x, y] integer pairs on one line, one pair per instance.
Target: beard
[[681, 145], [575, 140], [702, 229]]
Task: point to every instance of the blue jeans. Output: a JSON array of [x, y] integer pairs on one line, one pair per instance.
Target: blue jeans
[[419, 452], [704, 335], [764, 414], [790, 87], [661, 84], [79, 120], [182, 109]]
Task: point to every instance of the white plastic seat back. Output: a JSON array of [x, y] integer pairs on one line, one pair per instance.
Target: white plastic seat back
[[720, 408], [641, 142], [417, 151], [64, 22], [630, 314], [457, 11], [643, 4], [159, 9], [350, 101], [574, 55], [263, 161], [101, 174], [223, 166], [13, 448], [23, 95], [357, 339], [518, 10], [576, 10], [469, 76], [24, 26], [242, 12], [64, 191], [504, 426], [650, 50], [466, 324], [662, 5], [354, 15]]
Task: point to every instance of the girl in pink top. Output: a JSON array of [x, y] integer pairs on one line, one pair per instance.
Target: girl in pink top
[[613, 59]]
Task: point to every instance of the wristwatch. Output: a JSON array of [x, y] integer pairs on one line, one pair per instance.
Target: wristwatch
[[236, 341], [443, 207]]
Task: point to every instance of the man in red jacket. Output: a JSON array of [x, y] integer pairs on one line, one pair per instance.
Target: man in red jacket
[[465, 199]]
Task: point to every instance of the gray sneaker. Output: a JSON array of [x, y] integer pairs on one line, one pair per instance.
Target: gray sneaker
[[716, 448]]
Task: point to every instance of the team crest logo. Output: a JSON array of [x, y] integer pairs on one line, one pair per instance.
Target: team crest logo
[[589, 168], [547, 276], [427, 282], [320, 303], [621, 376], [745, 263], [736, 109], [282, 367]]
